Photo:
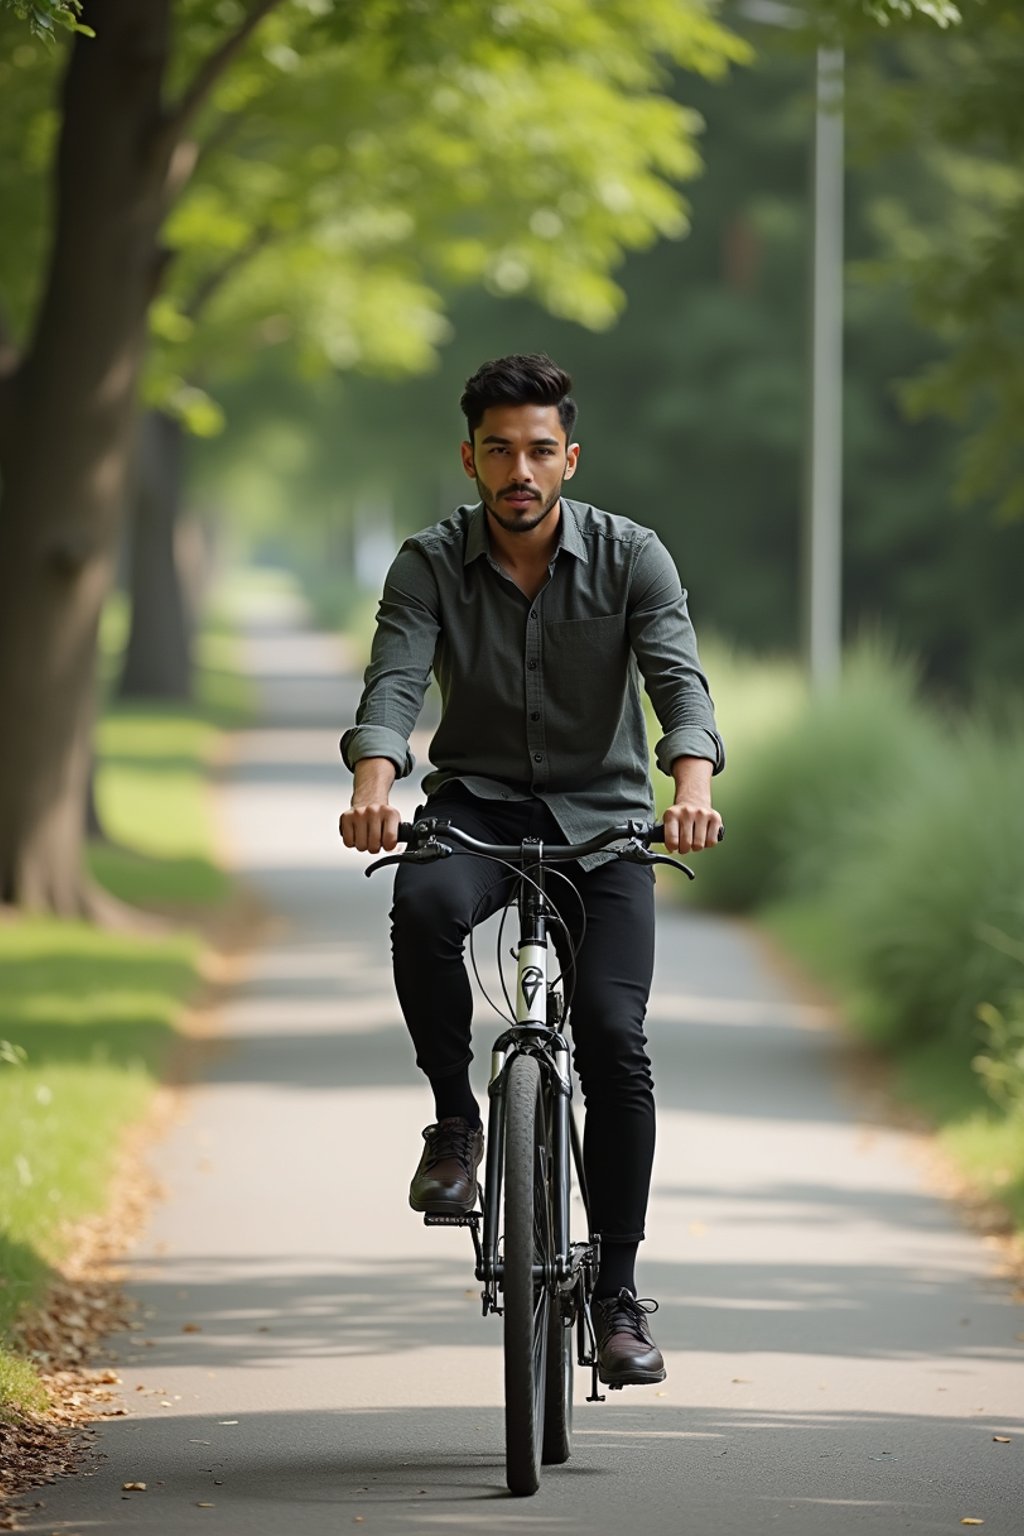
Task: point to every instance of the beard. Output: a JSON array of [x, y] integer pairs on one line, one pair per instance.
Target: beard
[[518, 521]]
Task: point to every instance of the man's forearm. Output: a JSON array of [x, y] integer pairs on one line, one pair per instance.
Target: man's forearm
[[692, 777], [373, 778]]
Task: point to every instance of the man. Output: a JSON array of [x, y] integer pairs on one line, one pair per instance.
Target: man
[[538, 615]]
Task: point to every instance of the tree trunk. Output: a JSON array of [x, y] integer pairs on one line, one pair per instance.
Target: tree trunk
[[65, 445], [158, 660]]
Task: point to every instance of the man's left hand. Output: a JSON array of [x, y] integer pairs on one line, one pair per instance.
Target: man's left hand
[[691, 826]]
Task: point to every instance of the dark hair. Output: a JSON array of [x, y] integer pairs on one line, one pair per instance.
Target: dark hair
[[522, 379]]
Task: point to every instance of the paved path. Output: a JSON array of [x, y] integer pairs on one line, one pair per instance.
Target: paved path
[[840, 1351]]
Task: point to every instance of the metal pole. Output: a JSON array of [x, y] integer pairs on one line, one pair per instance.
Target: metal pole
[[823, 530]]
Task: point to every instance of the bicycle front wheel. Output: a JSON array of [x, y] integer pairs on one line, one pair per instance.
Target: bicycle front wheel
[[526, 1299]]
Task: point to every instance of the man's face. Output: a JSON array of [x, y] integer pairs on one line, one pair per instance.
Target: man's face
[[519, 458]]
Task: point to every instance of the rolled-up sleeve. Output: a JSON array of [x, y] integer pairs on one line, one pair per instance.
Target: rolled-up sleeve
[[665, 647], [400, 662]]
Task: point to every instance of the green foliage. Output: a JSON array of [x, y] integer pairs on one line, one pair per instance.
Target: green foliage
[[356, 162], [45, 17], [692, 415], [955, 242], [804, 794], [1001, 1065], [905, 830], [942, 871]]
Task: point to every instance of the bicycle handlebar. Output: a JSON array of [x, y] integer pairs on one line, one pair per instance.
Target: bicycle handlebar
[[637, 836], [554, 853]]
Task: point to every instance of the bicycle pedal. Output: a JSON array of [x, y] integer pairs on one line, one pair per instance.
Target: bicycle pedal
[[470, 1219]]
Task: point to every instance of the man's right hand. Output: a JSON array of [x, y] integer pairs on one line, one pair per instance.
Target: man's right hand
[[372, 824]]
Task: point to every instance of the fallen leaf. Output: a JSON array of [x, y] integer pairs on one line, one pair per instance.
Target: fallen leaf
[[133, 1487], [165, 1402], [203, 1504], [661, 1394], [200, 1442], [1001, 1439], [227, 1421], [971, 1520], [191, 1328]]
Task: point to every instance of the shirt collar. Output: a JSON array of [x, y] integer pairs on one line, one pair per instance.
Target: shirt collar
[[569, 536]]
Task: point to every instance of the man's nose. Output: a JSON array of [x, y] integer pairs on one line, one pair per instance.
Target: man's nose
[[522, 470]]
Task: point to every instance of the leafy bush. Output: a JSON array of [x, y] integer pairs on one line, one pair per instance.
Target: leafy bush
[[925, 898], [797, 800], [1001, 1068]]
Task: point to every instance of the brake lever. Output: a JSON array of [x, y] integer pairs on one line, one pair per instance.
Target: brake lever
[[635, 853], [428, 854], [663, 858]]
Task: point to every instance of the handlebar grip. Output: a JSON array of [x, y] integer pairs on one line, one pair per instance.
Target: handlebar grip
[[658, 833], [405, 831]]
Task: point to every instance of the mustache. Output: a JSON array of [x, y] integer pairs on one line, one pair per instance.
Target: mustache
[[519, 490]]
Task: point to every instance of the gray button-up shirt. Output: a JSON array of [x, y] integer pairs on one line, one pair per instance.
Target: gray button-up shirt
[[538, 697]]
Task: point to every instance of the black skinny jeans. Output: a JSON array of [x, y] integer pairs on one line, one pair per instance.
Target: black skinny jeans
[[434, 907]]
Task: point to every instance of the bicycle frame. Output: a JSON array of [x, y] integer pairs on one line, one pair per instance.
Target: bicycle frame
[[535, 1031]]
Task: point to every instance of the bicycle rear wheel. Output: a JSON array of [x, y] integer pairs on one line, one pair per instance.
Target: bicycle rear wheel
[[526, 1299]]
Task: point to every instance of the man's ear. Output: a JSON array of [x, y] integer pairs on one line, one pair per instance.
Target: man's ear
[[468, 464], [572, 454]]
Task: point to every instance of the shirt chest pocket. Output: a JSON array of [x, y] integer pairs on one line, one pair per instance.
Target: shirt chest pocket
[[585, 669], [586, 640]]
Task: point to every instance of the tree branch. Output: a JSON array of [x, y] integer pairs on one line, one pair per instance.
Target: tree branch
[[179, 116], [214, 280], [8, 349], [218, 137]]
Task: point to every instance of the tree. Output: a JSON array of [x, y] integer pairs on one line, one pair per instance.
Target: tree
[[692, 412], [955, 246], [489, 98]]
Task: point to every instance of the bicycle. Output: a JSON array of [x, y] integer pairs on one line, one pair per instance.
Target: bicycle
[[544, 1280]]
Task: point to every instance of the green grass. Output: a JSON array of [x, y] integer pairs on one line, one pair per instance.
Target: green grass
[[94, 1013]]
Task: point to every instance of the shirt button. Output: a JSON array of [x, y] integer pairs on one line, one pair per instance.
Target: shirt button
[[533, 616], [532, 665], [538, 757], [535, 715]]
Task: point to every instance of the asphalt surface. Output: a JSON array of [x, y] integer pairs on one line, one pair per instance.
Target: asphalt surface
[[841, 1350]]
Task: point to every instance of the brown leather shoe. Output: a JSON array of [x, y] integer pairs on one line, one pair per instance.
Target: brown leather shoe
[[627, 1356], [444, 1184]]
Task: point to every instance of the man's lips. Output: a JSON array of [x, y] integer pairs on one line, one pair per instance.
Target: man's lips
[[517, 497]]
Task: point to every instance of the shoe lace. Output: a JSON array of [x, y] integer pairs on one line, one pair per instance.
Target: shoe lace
[[627, 1312], [450, 1138]]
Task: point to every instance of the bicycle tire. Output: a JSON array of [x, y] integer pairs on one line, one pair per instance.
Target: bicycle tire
[[526, 1300], [559, 1376]]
